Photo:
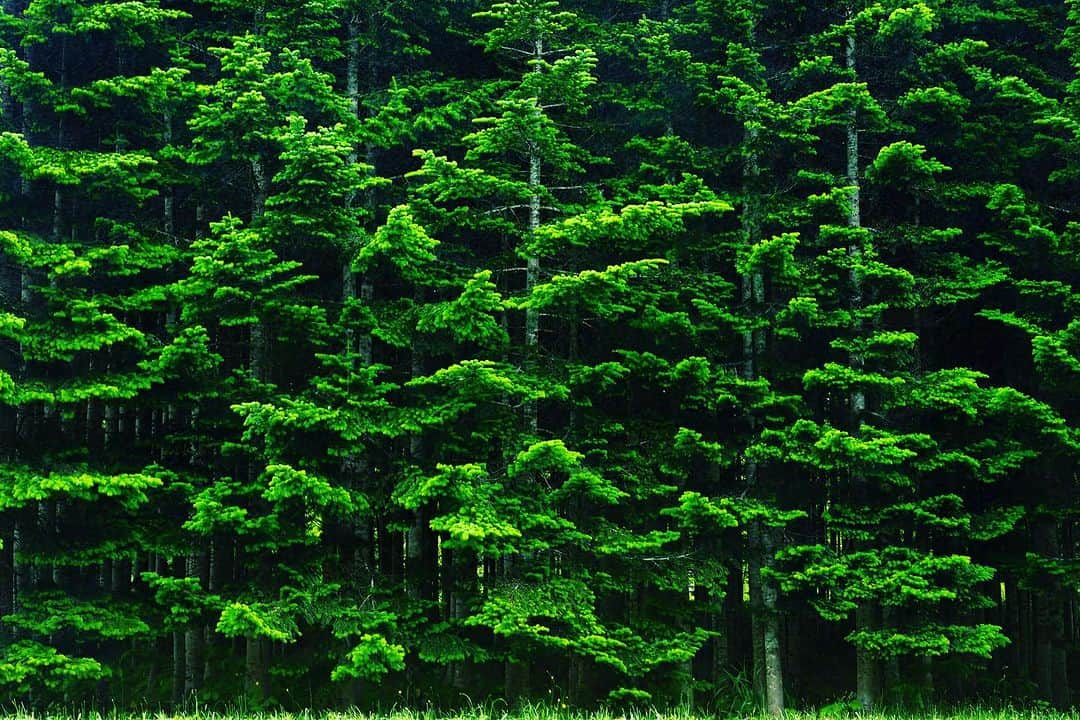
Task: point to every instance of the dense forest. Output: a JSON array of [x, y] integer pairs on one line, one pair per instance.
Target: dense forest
[[642, 352]]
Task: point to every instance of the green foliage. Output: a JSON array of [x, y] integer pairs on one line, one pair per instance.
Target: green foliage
[[371, 353], [372, 658]]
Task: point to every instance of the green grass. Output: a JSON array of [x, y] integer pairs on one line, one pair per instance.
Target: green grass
[[549, 712]]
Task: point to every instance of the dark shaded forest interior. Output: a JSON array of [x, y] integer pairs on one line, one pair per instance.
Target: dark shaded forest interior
[[362, 352]]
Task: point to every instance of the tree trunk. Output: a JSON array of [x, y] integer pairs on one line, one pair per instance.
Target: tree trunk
[[867, 686], [178, 655], [195, 637], [532, 262], [7, 581], [757, 630], [1050, 653], [735, 614], [867, 671], [516, 682], [858, 399], [927, 671], [890, 666], [774, 678], [1013, 616], [255, 675], [57, 227], [259, 358], [47, 527], [463, 581], [10, 293], [178, 650], [793, 643]]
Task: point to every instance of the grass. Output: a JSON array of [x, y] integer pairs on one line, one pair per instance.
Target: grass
[[549, 712]]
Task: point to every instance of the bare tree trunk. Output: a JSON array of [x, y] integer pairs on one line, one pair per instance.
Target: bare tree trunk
[[178, 650], [1050, 651], [927, 668], [1013, 616], [260, 334], [750, 345], [516, 682], [27, 416], [255, 659], [463, 581], [532, 262], [7, 581], [734, 613], [757, 631], [867, 686], [58, 194], [46, 510], [774, 678], [255, 654], [891, 665], [858, 399], [793, 644], [198, 566], [25, 576], [168, 200]]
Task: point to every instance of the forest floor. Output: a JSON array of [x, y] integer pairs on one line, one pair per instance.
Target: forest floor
[[557, 713]]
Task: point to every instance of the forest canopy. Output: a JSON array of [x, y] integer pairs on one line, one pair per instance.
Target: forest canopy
[[362, 352]]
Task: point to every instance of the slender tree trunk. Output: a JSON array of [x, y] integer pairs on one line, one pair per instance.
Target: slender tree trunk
[[891, 665], [758, 647], [7, 580], [198, 566], [178, 649], [1013, 617], [255, 652], [793, 644], [516, 681], [867, 686], [735, 613], [757, 631], [926, 664], [1050, 652], [58, 195], [770, 630], [10, 292], [532, 262], [260, 334], [858, 399], [463, 565], [27, 416], [168, 212], [24, 574]]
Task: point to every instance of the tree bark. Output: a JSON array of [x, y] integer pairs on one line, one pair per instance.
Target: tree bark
[[774, 677], [757, 631], [7, 580], [256, 650], [867, 685], [195, 636], [735, 615], [867, 671], [858, 399], [1050, 652], [532, 262], [891, 665], [1013, 615]]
